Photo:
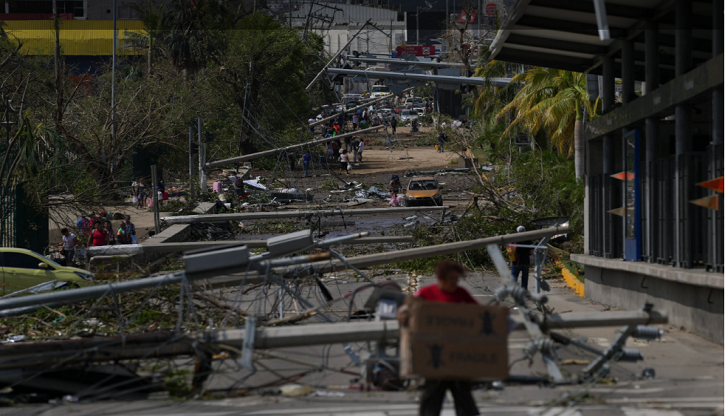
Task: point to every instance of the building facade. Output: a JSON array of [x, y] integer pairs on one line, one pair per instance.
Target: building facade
[[648, 237]]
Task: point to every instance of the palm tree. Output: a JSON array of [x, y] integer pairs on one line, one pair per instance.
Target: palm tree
[[151, 18], [553, 100]]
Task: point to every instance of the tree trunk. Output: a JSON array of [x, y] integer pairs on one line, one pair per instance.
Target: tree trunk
[[579, 152]]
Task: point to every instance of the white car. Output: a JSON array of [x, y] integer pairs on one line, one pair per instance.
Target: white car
[[408, 115], [420, 111]]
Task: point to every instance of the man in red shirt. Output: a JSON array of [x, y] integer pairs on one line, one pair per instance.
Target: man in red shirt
[[445, 290]]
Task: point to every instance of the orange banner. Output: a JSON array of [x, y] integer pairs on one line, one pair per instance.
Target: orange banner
[[714, 184], [623, 176], [710, 202]]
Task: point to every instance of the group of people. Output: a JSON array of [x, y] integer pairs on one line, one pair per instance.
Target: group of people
[[100, 232], [141, 194], [104, 234]]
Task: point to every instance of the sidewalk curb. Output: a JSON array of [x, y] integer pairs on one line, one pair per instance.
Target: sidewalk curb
[[571, 280]]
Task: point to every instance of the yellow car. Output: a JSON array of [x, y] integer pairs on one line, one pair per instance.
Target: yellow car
[[23, 269], [423, 191]]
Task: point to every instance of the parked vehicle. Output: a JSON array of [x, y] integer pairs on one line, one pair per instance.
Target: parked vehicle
[[380, 91], [423, 191], [408, 115], [23, 269]]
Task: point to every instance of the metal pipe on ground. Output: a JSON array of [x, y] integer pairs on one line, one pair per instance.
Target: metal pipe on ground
[[195, 219], [246, 158]]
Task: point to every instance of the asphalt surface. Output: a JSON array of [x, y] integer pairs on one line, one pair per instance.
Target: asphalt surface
[[688, 376]]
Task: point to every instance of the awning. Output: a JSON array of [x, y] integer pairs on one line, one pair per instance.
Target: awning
[[563, 34]]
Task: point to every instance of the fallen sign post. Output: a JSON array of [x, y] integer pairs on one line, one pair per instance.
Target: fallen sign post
[[195, 219], [253, 156]]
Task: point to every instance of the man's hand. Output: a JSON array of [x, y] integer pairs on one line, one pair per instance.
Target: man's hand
[[403, 315]]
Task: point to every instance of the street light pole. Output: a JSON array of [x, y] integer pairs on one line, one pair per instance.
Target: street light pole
[[113, 78], [417, 25]]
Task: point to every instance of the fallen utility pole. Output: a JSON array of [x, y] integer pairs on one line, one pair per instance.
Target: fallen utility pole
[[103, 349], [440, 79], [246, 158], [195, 219], [132, 249], [99, 291], [405, 62], [339, 52], [350, 110], [391, 257]]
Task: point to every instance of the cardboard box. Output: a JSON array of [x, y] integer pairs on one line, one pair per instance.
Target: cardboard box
[[445, 341]]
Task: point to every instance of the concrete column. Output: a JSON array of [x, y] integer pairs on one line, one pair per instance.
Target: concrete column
[[683, 132], [652, 132], [608, 154]]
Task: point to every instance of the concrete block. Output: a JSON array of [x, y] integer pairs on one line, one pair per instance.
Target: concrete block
[[696, 308]]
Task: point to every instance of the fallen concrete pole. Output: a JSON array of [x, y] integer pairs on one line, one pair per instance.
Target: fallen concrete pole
[[439, 79], [30, 354], [101, 290], [172, 247], [196, 219], [391, 257], [351, 110], [422, 64], [246, 158]]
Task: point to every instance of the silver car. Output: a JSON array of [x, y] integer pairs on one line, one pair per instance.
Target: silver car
[[408, 115]]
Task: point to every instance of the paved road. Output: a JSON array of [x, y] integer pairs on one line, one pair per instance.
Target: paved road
[[688, 382]]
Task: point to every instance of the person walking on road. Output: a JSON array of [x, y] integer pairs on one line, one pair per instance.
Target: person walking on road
[[355, 145], [445, 290], [355, 119], [306, 162], [348, 144], [70, 242], [360, 148], [344, 162], [521, 262], [393, 124], [441, 142], [394, 187]]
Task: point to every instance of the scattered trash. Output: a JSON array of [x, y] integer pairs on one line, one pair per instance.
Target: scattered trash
[[16, 338], [411, 218], [295, 390], [323, 393], [497, 385], [648, 373]]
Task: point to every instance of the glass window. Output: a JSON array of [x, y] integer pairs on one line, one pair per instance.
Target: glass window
[[22, 261], [423, 185]]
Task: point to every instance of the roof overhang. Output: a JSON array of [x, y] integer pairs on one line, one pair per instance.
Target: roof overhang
[[563, 34]]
